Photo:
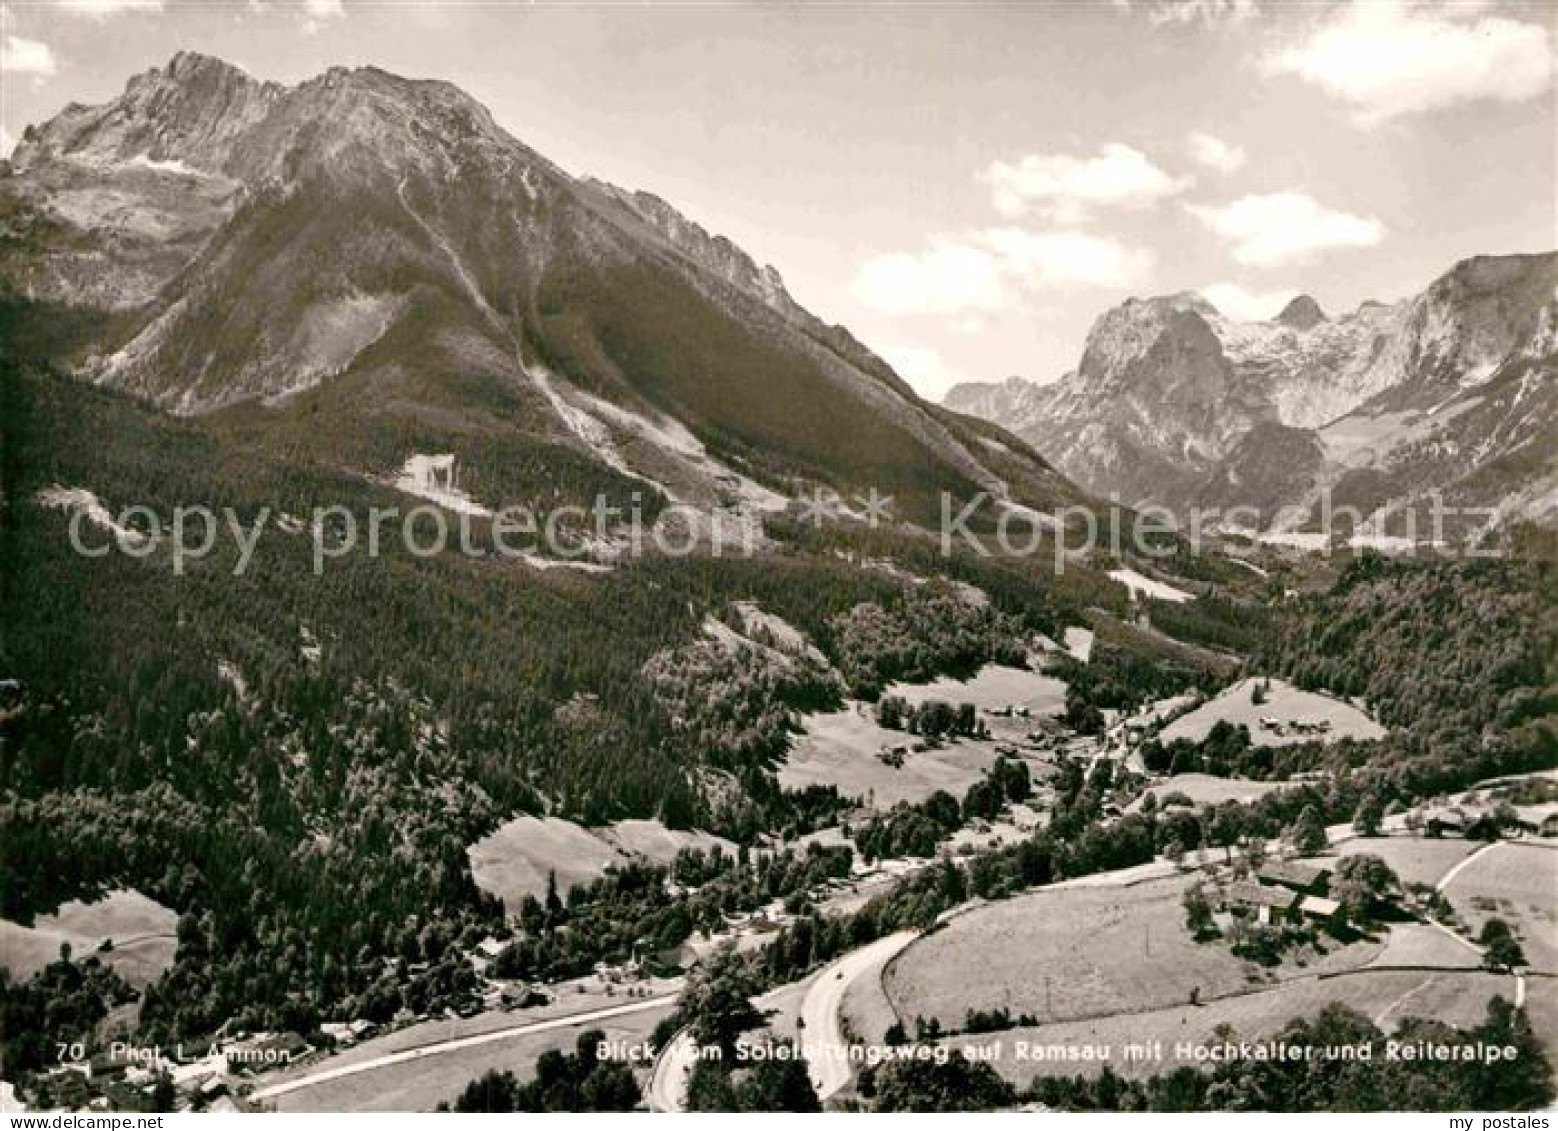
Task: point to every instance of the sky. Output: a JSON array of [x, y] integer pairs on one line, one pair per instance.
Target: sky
[[965, 186]]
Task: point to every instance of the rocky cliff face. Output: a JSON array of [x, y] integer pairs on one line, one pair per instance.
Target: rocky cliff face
[[1173, 403], [377, 253]]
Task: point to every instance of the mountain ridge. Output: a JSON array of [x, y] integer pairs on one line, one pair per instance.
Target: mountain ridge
[[379, 249], [1168, 393]]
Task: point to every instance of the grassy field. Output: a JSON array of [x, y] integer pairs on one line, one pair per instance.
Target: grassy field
[[653, 841], [1519, 884], [1417, 860], [1208, 789], [515, 860], [840, 747], [1073, 953], [1456, 998], [420, 1085], [994, 686], [1286, 703], [1422, 944], [142, 930]]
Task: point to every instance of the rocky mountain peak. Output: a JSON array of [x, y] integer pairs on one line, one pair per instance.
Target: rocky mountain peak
[[1303, 313]]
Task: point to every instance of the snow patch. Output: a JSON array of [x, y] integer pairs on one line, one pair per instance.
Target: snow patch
[[1142, 586], [72, 499], [436, 479], [1079, 642], [178, 168]]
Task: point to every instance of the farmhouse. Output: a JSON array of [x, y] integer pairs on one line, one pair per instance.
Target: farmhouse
[[1267, 904], [1327, 912], [1311, 879]]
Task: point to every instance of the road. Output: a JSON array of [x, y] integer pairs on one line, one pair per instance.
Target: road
[[456, 1044], [822, 1040], [668, 1082]]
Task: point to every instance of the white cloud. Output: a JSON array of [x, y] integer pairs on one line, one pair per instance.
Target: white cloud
[[950, 277], [1056, 258], [985, 271], [1182, 12], [1391, 57], [1215, 153], [7, 142], [101, 9], [317, 13], [1244, 305], [925, 369], [1065, 188], [19, 56], [1283, 226]]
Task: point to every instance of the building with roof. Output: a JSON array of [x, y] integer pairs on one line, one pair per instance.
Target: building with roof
[[1296, 875], [1265, 904]]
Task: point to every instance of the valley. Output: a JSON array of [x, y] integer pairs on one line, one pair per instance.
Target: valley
[[744, 784]]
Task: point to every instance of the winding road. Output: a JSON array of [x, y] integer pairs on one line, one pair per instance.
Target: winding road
[[822, 1041]]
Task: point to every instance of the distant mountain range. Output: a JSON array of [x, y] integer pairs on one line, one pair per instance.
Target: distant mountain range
[[366, 268], [1454, 390]]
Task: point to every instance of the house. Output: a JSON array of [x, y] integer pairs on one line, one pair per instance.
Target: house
[[1446, 821], [1267, 904], [1311, 879], [1321, 910]]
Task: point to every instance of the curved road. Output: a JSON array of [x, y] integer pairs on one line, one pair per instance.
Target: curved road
[[455, 1044], [668, 1080], [823, 1041]]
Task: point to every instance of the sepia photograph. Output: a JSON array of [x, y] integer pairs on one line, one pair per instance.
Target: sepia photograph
[[754, 557]]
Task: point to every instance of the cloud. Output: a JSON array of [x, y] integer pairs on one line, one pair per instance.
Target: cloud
[[7, 142], [1066, 188], [1182, 12], [1392, 57], [102, 9], [1284, 226], [1244, 305], [1058, 258], [20, 56], [317, 13], [1216, 153], [986, 271], [949, 277], [925, 369]]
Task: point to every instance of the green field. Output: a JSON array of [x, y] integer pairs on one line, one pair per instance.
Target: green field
[[1076, 952], [142, 930], [839, 748], [1455, 998], [515, 860], [1209, 789], [1285, 703], [420, 1085], [1417, 860]]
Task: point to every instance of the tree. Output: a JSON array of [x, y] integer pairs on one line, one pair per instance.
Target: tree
[[1501, 950], [958, 1084], [1370, 815], [164, 1096], [1307, 833], [1198, 911], [717, 1003], [1227, 827], [1361, 883]]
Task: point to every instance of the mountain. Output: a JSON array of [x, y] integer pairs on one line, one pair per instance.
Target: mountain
[[1452, 390], [376, 252]]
